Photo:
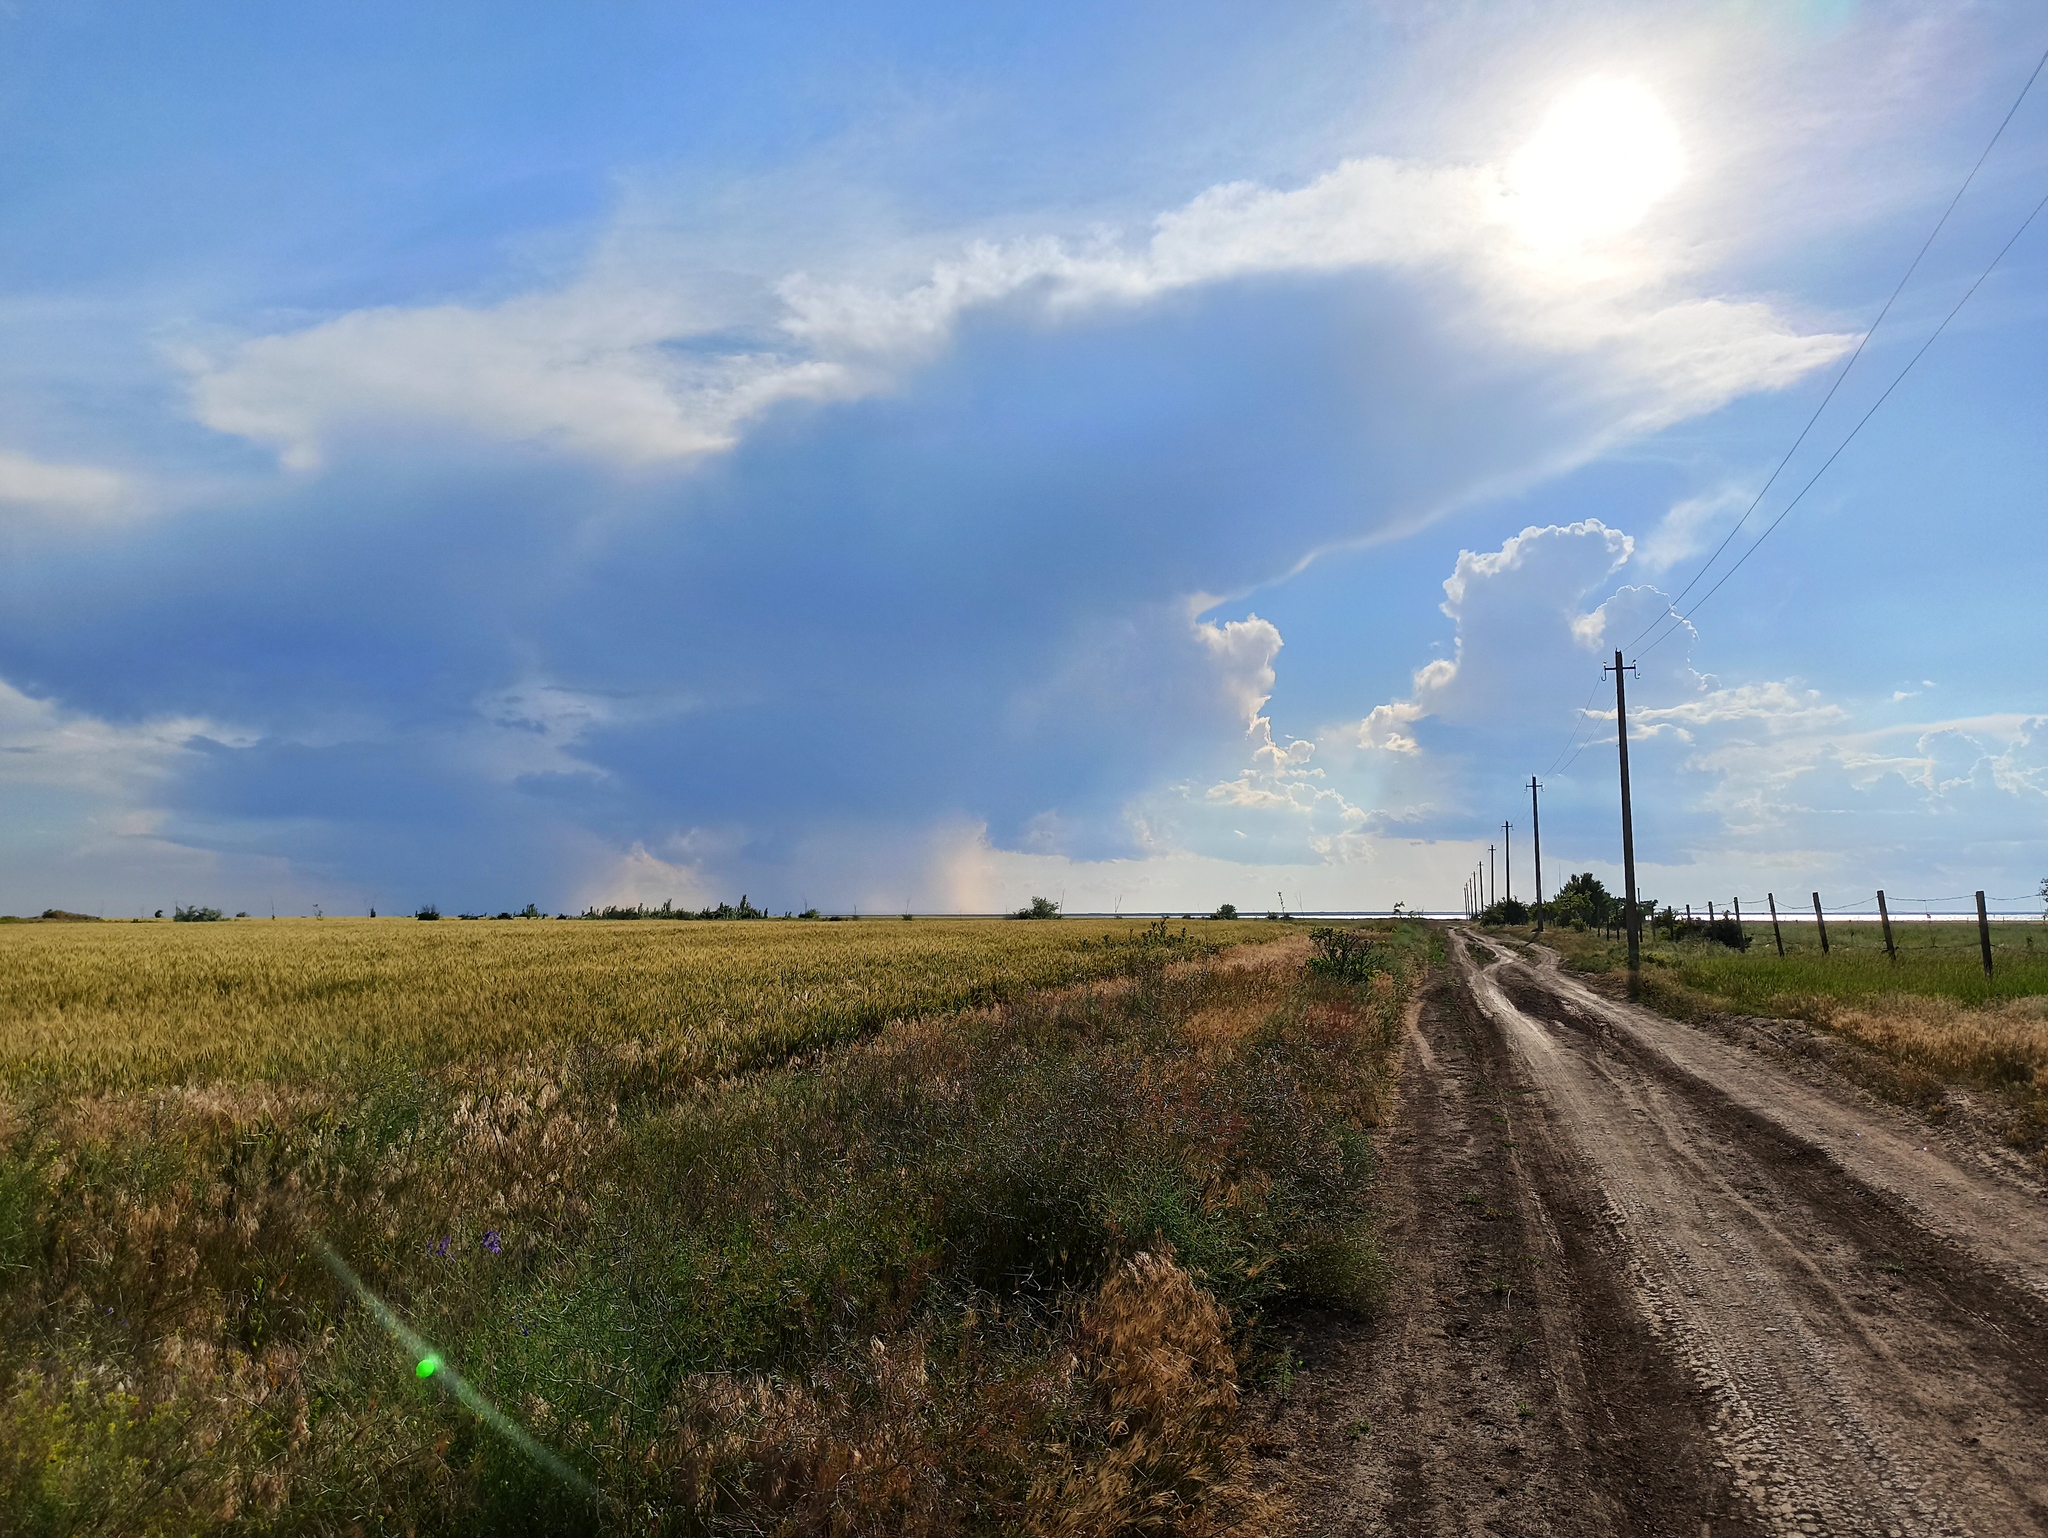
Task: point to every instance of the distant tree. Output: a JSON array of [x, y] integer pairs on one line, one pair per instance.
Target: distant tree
[[1040, 908], [196, 915], [428, 912], [1506, 911], [1583, 903], [1226, 911]]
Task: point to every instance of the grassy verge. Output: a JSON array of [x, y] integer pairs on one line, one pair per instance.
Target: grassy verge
[[1927, 1019], [995, 1269]]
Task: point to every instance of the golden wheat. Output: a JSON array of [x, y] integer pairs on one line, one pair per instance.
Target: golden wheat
[[125, 1006]]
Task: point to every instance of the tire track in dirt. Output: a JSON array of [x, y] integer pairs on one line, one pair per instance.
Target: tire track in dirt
[[1510, 1384], [1875, 1349]]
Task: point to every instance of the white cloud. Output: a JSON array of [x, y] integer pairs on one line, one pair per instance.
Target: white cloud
[[1688, 528], [1242, 652], [639, 877], [34, 485], [596, 372], [43, 744], [623, 368], [82, 813]]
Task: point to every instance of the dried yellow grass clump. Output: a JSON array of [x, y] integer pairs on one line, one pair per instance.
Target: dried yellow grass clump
[[1166, 1455]]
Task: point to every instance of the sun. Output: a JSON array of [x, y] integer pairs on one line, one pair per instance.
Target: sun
[[1606, 151]]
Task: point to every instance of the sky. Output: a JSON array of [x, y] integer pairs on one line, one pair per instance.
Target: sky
[[899, 457]]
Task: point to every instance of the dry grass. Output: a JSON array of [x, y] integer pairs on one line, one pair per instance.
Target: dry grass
[[977, 1268]]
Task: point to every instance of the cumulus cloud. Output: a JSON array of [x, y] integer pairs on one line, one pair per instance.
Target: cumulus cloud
[[629, 371], [1518, 612]]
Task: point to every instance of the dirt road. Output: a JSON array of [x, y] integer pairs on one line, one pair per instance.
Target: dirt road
[[1647, 1280]]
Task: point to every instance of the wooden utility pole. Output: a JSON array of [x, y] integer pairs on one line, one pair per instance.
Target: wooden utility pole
[[1984, 933], [1738, 918], [1884, 915], [1507, 856], [1776, 933], [1628, 830], [1492, 876], [1820, 923], [1536, 832]]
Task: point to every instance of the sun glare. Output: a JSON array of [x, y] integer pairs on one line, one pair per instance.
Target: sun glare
[[1605, 153]]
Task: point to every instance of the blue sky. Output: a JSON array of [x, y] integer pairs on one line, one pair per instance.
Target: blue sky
[[897, 456]]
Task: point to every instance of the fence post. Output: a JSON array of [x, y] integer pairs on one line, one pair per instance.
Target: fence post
[[1738, 918], [1984, 933], [1820, 923], [1885, 915], [1776, 933]]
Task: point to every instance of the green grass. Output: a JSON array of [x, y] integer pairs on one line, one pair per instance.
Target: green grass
[[1934, 961]]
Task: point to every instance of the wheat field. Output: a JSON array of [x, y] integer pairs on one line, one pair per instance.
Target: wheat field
[[121, 1006]]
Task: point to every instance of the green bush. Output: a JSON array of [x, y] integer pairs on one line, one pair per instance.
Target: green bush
[[196, 915], [1344, 953]]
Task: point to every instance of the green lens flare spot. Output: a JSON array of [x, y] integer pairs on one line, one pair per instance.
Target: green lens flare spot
[[429, 1365]]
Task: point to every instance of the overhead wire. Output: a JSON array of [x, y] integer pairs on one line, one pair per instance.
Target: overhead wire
[[1577, 726], [1679, 621], [1862, 342]]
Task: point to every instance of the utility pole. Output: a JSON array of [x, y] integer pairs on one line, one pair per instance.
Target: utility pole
[[1492, 877], [1536, 832], [1628, 831], [1507, 855]]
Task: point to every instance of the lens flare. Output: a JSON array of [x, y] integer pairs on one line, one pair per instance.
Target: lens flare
[[431, 1365], [1606, 152]]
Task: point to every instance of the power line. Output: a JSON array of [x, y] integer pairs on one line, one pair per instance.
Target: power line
[[1912, 267], [1680, 619], [1577, 727]]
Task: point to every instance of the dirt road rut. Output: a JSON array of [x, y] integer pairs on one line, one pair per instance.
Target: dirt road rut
[[1650, 1282]]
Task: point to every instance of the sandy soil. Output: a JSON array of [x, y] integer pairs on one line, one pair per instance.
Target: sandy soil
[[1647, 1280]]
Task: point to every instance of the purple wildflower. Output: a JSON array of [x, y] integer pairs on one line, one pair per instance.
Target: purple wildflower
[[492, 1241]]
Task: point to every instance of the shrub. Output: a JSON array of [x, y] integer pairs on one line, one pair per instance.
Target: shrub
[[1506, 911], [428, 912], [1345, 953], [1226, 911], [196, 915], [1040, 908]]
